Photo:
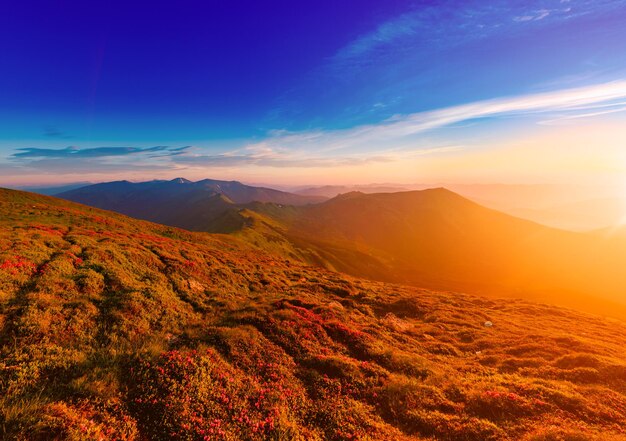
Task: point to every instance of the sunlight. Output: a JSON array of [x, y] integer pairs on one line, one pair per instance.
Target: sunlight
[[313, 220]]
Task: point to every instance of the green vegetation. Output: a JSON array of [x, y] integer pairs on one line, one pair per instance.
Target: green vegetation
[[118, 329]]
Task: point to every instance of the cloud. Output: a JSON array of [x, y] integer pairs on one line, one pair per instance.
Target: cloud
[[97, 152], [412, 132], [399, 138], [568, 119], [589, 97], [402, 137], [385, 33], [270, 158], [85, 166], [535, 16], [245, 160], [452, 23], [398, 59], [94, 160]]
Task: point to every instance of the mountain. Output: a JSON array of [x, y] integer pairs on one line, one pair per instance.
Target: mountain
[[206, 205], [575, 208], [438, 239], [431, 238], [113, 328]]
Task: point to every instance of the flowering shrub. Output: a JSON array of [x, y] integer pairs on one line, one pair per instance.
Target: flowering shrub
[[18, 265], [197, 395], [82, 421], [501, 405]]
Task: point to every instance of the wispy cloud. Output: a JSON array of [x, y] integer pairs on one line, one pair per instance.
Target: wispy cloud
[[277, 160], [408, 136], [84, 166], [450, 23], [93, 160], [401, 137], [406, 132], [535, 15], [386, 33], [399, 62], [96, 152]]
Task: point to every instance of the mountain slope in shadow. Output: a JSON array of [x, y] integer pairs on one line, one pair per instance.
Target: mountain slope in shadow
[[207, 205]]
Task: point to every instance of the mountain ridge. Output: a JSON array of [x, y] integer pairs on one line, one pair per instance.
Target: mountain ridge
[[432, 238], [180, 202]]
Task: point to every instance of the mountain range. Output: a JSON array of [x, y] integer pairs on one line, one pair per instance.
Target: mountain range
[[205, 205], [430, 238]]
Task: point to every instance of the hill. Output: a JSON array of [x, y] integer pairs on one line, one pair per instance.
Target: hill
[[438, 239], [206, 205], [118, 329]]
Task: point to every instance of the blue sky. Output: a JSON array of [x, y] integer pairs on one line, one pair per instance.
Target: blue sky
[[293, 91]]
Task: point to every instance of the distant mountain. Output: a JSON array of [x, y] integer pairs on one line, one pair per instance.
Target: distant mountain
[[207, 205], [437, 238]]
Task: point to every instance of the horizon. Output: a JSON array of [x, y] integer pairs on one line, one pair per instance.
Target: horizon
[[459, 92], [572, 207]]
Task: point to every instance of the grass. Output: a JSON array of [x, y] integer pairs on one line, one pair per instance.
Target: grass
[[117, 329]]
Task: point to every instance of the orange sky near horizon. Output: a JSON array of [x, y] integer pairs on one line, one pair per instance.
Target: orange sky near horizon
[[591, 153]]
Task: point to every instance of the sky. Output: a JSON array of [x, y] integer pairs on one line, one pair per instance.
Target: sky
[[323, 92]]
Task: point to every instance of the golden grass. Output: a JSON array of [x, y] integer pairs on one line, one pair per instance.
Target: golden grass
[[118, 329]]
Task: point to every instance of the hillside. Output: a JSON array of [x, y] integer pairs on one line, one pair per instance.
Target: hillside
[[118, 329], [431, 238], [207, 205], [439, 239]]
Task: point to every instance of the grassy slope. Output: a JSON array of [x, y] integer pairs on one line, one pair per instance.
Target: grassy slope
[[438, 239], [113, 328]]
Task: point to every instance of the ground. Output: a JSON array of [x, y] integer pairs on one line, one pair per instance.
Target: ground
[[112, 328]]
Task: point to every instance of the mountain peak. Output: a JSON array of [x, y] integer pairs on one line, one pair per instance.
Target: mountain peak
[[181, 181]]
